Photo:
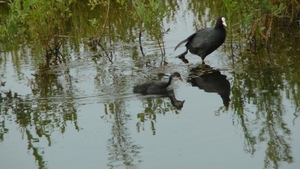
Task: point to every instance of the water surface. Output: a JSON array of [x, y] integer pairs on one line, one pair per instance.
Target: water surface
[[84, 114]]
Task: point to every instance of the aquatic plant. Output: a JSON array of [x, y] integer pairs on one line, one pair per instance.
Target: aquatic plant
[[260, 18], [148, 16], [47, 23], [43, 22]]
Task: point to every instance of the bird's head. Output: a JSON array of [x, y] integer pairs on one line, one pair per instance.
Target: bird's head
[[223, 21], [176, 76]]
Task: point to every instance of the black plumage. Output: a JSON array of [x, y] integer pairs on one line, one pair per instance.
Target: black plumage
[[205, 41], [157, 87]]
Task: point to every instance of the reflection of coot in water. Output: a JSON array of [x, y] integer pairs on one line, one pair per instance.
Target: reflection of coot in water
[[205, 41], [176, 103], [213, 82], [157, 87]]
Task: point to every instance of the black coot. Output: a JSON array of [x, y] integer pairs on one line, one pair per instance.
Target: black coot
[[205, 41], [157, 87]]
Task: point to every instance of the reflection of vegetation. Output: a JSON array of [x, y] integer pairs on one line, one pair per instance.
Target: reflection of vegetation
[[147, 16], [122, 151], [154, 106], [45, 117], [4, 95], [47, 84], [3, 129], [38, 118], [264, 89]]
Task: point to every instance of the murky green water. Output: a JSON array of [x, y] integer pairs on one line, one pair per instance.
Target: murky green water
[[84, 114]]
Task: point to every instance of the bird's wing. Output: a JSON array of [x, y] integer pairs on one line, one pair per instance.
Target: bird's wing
[[186, 40], [202, 37]]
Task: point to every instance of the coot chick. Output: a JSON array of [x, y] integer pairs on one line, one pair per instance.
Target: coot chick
[[205, 41], [157, 87]]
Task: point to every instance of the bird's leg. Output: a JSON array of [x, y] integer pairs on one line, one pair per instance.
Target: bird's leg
[[203, 63], [183, 54]]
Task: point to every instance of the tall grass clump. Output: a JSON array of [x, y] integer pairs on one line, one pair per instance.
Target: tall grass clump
[[260, 17]]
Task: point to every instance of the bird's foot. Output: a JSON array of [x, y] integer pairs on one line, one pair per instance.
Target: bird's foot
[[182, 57]]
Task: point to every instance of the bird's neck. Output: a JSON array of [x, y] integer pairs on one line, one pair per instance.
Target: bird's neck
[[219, 26], [170, 84]]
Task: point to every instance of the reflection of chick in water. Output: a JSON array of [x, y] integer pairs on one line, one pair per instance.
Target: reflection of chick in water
[[164, 89], [178, 104], [213, 82]]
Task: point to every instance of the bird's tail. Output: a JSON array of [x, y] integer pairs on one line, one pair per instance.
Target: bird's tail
[[186, 40], [182, 42]]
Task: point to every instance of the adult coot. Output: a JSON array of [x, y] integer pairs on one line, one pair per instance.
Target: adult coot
[[205, 41], [157, 87]]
